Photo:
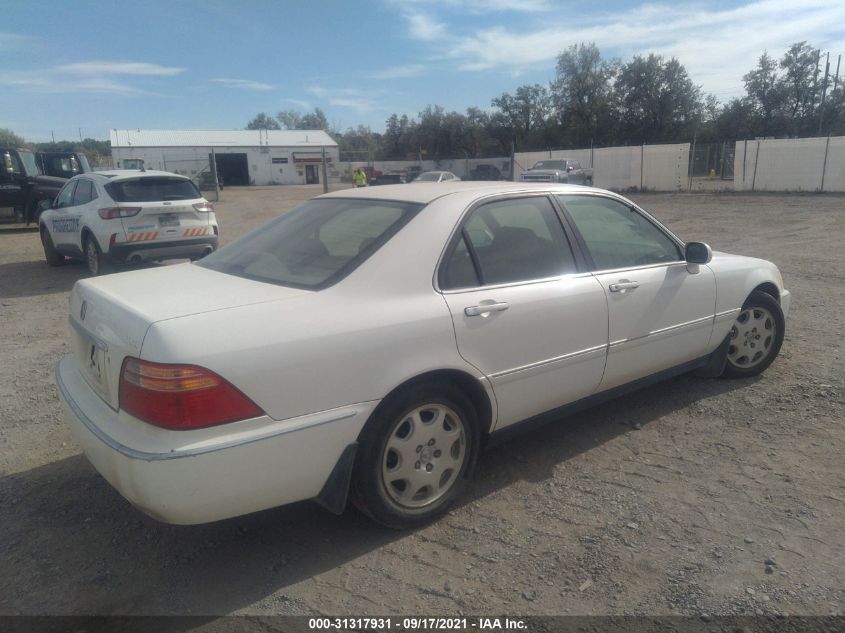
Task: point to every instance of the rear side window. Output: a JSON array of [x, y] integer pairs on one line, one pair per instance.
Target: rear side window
[[315, 245], [152, 189], [84, 192], [519, 239]]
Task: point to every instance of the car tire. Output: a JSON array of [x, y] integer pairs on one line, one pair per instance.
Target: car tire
[[416, 452], [756, 336], [35, 210], [94, 259], [53, 257]]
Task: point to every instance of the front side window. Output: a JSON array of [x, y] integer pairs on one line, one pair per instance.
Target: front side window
[[616, 235], [519, 239], [65, 197], [153, 189], [314, 245]]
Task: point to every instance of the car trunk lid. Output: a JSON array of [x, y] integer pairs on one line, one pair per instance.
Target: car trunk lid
[[110, 315]]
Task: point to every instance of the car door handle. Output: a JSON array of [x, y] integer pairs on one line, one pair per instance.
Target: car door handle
[[485, 308], [623, 285]]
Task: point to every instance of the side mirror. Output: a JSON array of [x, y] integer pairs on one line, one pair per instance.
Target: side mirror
[[697, 253], [569, 168]]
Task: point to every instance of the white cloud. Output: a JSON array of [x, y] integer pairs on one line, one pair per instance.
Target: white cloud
[[119, 68], [398, 72], [717, 46], [481, 6], [243, 84], [47, 83], [423, 27], [305, 105], [317, 91]]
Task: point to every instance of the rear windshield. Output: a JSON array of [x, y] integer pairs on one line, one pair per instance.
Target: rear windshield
[[152, 189], [314, 245]]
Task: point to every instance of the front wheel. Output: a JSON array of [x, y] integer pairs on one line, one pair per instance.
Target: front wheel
[[53, 257], [756, 336], [417, 451]]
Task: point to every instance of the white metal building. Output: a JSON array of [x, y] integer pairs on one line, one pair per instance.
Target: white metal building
[[243, 157]]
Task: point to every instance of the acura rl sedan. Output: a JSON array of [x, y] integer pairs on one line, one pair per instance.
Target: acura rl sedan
[[366, 344]]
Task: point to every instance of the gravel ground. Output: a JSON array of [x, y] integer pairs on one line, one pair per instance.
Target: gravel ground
[[693, 496]]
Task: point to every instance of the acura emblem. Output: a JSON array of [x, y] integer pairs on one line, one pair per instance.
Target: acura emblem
[[82, 310]]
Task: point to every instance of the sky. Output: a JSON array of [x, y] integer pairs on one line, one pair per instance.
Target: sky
[[85, 67]]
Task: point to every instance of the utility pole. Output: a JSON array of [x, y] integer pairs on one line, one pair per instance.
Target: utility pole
[[824, 93], [80, 134], [836, 77]]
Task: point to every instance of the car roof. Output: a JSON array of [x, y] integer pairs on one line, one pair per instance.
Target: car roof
[[424, 193], [113, 175]]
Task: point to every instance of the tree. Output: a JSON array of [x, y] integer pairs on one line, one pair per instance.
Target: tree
[[9, 138], [290, 119], [315, 120], [526, 111], [658, 101], [582, 94], [766, 95], [262, 121], [800, 65]]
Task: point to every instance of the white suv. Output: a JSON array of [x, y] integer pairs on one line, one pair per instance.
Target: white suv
[[128, 216]]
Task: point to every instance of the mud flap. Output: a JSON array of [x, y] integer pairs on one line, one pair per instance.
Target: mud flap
[[336, 489], [715, 365]]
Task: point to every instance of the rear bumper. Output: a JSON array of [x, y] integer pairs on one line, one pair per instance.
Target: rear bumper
[[188, 477], [152, 251]]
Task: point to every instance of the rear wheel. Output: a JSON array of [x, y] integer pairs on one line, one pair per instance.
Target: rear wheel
[[94, 257], [53, 257], [756, 336], [417, 451]]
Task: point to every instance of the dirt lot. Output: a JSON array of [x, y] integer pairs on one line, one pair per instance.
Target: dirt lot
[[667, 501]]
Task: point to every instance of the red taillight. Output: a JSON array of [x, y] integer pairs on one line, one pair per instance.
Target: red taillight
[[118, 212], [181, 397], [204, 207]]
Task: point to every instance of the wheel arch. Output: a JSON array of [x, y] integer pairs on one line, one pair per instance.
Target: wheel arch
[[471, 387], [769, 288]]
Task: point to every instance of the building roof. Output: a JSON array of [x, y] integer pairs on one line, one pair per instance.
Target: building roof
[[221, 138]]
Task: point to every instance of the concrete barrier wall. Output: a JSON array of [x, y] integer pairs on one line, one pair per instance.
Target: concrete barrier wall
[[461, 167], [649, 167], [798, 164]]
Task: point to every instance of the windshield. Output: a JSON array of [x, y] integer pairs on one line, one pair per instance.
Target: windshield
[[29, 164], [314, 245], [550, 164], [429, 176], [153, 189]]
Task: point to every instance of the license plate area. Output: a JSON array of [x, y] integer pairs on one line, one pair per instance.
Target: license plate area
[[165, 221], [91, 358]]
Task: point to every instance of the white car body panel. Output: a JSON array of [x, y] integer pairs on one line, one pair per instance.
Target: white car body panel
[[318, 363], [666, 321]]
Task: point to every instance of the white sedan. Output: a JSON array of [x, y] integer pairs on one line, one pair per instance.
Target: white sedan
[[436, 176], [366, 343], [127, 216]]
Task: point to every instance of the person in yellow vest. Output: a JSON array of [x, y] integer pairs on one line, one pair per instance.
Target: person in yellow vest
[[359, 178]]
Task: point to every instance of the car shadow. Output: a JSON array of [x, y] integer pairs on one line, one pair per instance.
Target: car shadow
[[34, 278], [70, 544]]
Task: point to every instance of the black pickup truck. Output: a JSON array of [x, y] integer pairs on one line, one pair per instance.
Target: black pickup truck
[[62, 164], [21, 186]]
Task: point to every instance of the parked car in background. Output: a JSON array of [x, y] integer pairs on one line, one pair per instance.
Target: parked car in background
[[436, 176], [386, 179], [63, 164], [411, 173], [564, 170], [22, 188], [485, 172], [127, 217], [379, 336]]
